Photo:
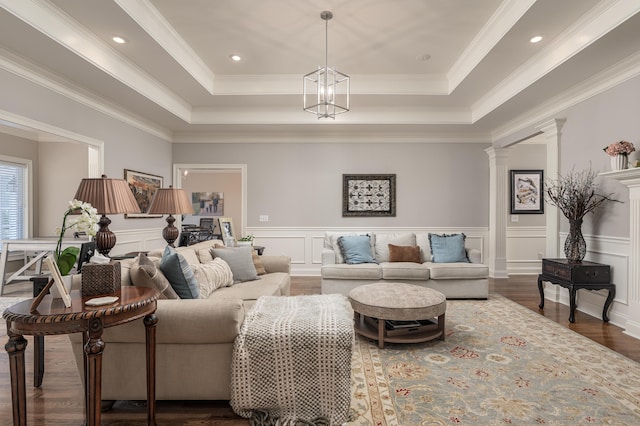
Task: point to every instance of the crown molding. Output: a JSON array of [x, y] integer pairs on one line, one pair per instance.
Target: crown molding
[[599, 83], [504, 18], [601, 19], [58, 26], [158, 28], [35, 74]]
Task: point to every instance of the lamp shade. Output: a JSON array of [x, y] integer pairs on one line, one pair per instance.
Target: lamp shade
[[170, 201], [107, 196]]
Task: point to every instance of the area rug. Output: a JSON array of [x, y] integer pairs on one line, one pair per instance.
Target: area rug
[[500, 364]]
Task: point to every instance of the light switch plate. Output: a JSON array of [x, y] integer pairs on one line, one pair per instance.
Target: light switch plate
[[264, 218]]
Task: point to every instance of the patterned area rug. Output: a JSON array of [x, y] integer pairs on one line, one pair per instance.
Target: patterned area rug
[[500, 364]]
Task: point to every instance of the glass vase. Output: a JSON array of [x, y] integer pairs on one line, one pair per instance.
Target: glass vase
[[575, 247]]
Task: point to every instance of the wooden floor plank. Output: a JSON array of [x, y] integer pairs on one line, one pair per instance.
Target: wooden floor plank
[[60, 399]]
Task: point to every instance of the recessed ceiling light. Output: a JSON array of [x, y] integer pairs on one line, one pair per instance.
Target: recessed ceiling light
[[423, 58], [535, 39], [235, 58], [119, 40]]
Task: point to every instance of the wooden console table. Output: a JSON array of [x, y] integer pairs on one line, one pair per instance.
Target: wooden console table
[[576, 276], [52, 317]]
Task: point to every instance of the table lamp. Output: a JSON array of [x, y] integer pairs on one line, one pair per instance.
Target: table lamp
[[170, 201], [107, 196]]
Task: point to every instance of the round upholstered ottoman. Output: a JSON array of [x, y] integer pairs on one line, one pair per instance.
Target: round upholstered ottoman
[[398, 312]]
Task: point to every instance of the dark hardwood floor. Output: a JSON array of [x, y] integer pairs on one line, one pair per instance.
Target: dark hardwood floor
[[60, 399]]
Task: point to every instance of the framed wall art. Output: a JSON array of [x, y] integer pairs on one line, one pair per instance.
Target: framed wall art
[[368, 195], [143, 186], [208, 203], [527, 196]]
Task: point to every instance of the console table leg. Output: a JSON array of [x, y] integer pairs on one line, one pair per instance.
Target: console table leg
[[150, 322], [572, 304], [93, 373], [15, 349], [607, 303], [541, 290]]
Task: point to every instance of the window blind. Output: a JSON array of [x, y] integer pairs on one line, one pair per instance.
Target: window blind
[[12, 200]]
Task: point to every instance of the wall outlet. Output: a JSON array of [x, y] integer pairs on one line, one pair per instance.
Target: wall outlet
[[264, 218], [515, 218]]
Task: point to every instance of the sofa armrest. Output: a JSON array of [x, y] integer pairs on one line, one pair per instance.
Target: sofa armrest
[[276, 263], [187, 321], [328, 256], [474, 255]]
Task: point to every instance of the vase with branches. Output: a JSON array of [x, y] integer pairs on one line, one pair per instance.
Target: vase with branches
[[576, 194]]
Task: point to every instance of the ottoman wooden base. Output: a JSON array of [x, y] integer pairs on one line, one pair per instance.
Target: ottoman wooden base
[[397, 301]]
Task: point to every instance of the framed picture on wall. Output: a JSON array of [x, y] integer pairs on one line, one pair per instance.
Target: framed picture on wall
[[208, 203], [527, 192], [368, 195], [143, 186]]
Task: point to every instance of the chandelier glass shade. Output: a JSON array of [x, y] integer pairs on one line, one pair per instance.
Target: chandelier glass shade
[[326, 90]]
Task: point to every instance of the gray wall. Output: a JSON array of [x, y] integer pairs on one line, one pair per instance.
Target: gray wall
[[590, 126], [125, 147], [438, 185]]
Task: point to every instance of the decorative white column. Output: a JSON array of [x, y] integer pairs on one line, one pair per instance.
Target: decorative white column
[[551, 133], [498, 208], [631, 178]]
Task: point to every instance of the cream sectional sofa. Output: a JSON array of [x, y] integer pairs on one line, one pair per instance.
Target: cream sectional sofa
[[468, 280], [194, 337]]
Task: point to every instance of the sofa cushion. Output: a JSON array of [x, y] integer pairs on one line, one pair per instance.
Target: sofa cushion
[[175, 267], [275, 284], [331, 242], [240, 262], [361, 271], [404, 254], [355, 249], [447, 248], [145, 272], [257, 262], [452, 271], [404, 271], [212, 276], [384, 239]]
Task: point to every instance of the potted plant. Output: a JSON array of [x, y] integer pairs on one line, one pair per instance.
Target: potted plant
[[246, 240], [576, 194], [619, 153]]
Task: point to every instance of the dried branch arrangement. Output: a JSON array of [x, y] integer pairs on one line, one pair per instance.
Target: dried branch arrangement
[[576, 194]]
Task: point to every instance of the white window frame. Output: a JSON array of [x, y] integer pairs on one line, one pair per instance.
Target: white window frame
[[28, 197]]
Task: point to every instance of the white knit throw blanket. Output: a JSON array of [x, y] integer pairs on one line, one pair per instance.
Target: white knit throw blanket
[[292, 361]]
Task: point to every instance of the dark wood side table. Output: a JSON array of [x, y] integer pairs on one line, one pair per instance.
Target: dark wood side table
[[52, 317], [576, 276]]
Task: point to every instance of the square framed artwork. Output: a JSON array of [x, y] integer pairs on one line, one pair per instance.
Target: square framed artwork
[[368, 195], [144, 187], [527, 192]]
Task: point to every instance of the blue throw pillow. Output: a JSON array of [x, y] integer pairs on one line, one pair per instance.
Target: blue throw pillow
[[356, 249], [175, 267], [447, 248]]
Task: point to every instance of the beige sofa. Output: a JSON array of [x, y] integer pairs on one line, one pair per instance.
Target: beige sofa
[[454, 280], [194, 337]]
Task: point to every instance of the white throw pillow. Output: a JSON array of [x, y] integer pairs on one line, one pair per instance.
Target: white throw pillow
[[398, 239], [212, 276]]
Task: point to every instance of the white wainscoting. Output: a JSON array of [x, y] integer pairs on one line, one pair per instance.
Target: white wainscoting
[[525, 249], [612, 251], [304, 245]]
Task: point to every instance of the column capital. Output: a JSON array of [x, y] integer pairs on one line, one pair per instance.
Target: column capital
[[551, 127]]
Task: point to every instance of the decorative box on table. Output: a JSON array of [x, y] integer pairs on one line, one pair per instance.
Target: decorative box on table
[[99, 279]]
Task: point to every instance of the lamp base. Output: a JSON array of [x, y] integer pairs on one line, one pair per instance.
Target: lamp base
[[170, 232], [105, 239]]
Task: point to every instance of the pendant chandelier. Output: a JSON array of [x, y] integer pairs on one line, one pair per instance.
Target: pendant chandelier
[[326, 90]]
